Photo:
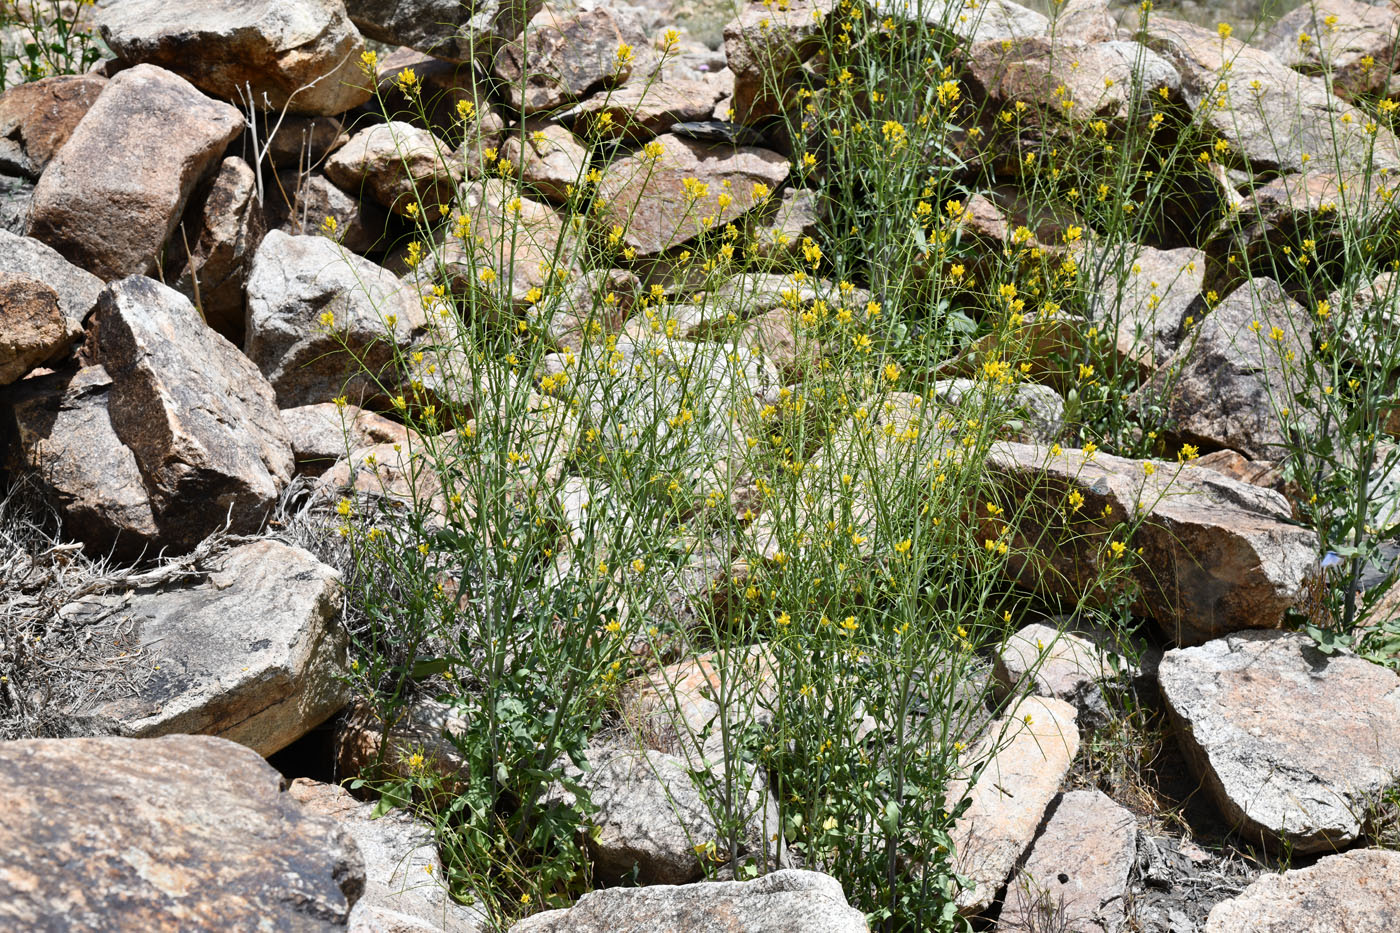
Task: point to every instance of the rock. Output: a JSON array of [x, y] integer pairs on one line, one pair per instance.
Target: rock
[[592, 304], [1335, 38], [1272, 128], [184, 832], [199, 417], [558, 59], [254, 653], [797, 217], [1148, 303], [299, 55], [548, 157], [297, 142], [787, 901], [1077, 870], [111, 197], [77, 290], [644, 108], [1246, 709], [1089, 20], [1068, 79], [1044, 661], [367, 746], [323, 433], [16, 194], [682, 700], [1221, 386], [523, 249], [766, 48], [360, 226], [649, 198], [399, 165], [1032, 749], [32, 328], [650, 816], [447, 29], [1217, 555], [1351, 891], [990, 20], [36, 119], [404, 881], [296, 280], [782, 339], [1039, 409], [1229, 463], [223, 227], [64, 441], [394, 476]]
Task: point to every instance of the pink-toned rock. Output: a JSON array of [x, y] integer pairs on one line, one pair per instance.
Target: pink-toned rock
[[77, 290], [1291, 744], [222, 229], [548, 157], [561, 58], [648, 197], [1336, 37], [177, 833], [780, 336], [1354, 891], [323, 433], [36, 119], [766, 48], [645, 107], [522, 248], [401, 166], [32, 328], [1048, 662], [302, 56], [111, 197], [1032, 748], [1078, 868]]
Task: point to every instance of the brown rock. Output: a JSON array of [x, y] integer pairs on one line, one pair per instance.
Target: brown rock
[[1089, 20], [254, 653], [323, 433], [648, 197], [645, 107], [522, 249], [112, 196], [447, 29], [222, 229], [185, 832], [64, 440], [399, 165], [796, 217], [1217, 555], [548, 157], [36, 119], [1032, 749], [304, 201], [32, 328], [77, 290], [1353, 891], [765, 48], [297, 142], [1333, 38], [1247, 709], [558, 58], [1077, 870], [299, 55], [199, 417]]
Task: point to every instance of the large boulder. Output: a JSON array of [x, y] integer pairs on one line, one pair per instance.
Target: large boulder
[[989, 20], [184, 832], [374, 317], [253, 653], [112, 196], [1149, 297], [1270, 115], [1351, 42], [766, 47], [405, 888], [447, 29], [656, 201], [298, 55], [1217, 555], [1226, 380], [200, 419], [401, 166], [1249, 711], [788, 901], [32, 327], [558, 59], [1352, 891], [645, 107], [223, 226], [36, 119]]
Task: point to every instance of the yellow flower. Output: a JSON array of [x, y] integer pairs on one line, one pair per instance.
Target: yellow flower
[[369, 61], [639, 565], [624, 54], [1224, 29], [408, 81]]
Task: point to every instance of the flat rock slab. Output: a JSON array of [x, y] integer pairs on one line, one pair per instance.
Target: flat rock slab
[[178, 833], [1290, 743], [1078, 868], [788, 901], [112, 195], [1355, 891], [1031, 750], [254, 654]]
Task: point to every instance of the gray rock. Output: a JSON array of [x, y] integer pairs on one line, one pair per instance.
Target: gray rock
[[520, 248], [561, 58], [199, 417], [1334, 37], [301, 55], [221, 230], [184, 832], [324, 432], [77, 290], [1039, 408], [548, 157], [254, 653], [294, 281], [1247, 710], [404, 882], [1076, 873], [788, 901], [403, 167], [447, 29], [1353, 891], [15, 196], [112, 195], [305, 201], [1045, 661], [1148, 301], [990, 20]]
